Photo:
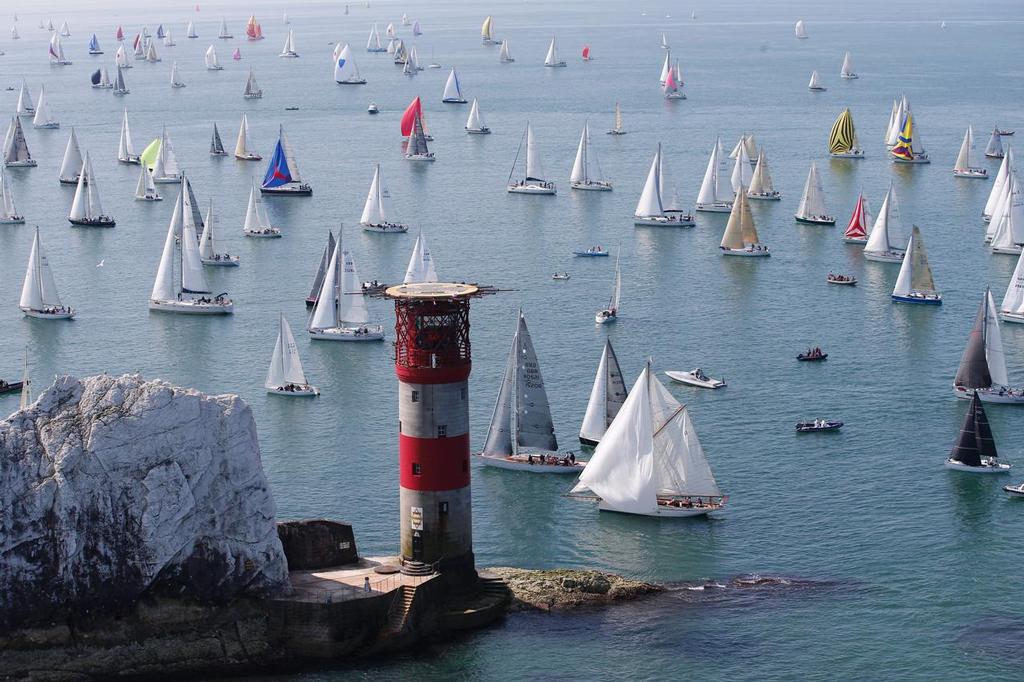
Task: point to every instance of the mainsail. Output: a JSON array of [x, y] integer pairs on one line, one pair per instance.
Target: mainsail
[[983, 363], [915, 272], [812, 204], [975, 441], [421, 264], [285, 365], [606, 397]]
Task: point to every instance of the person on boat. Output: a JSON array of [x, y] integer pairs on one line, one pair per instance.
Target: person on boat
[[572, 458], [529, 459]]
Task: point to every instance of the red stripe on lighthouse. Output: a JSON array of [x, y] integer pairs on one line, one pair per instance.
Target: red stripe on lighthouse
[[443, 462]]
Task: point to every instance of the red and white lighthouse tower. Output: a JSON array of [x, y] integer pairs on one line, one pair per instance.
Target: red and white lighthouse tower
[[433, 362]]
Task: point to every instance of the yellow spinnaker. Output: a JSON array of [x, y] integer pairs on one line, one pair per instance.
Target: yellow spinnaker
[[843, 135], [150, 153]]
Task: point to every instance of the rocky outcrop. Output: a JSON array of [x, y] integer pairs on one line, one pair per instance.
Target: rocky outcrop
[[112, 488], [568, 588]]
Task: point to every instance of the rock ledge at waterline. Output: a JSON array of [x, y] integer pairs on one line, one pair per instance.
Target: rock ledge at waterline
[[559, 589], [116, 487]]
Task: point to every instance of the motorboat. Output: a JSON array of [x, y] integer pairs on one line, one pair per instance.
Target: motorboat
[[812, 355], [560, 276], [697, 378], [847, 280], [592, 252], [818, 425]]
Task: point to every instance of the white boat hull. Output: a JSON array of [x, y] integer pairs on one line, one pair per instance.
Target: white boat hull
[[1016, 318], [664, 221], [1009, 250], [67, 314], [991, 395], [767, 196], [1015, 490], [191, 307], [606, 317], [987, 467], [14, 220], [852, 154], [663, 511], [747, 253], [246, 157], [522, 463], [224, 261], [270, 233], [301, 392], [367, 333], [531, 188], [420, 157], [592, 186], [387, 228], [855, 240], [717, 207], [478, 131], [976, 173], [688, 378], [887, 257]]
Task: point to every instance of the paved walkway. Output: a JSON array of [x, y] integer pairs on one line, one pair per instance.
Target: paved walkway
[[349, 582]]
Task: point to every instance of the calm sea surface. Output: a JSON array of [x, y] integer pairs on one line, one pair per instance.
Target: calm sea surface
[[897, 568]]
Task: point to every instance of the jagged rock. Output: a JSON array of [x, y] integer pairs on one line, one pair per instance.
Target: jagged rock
[[569, 588], [111, 488]]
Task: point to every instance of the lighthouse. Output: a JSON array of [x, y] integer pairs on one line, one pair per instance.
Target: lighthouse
[[433, 362]]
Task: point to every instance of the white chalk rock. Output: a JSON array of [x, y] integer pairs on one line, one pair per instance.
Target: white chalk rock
[[114, 487]]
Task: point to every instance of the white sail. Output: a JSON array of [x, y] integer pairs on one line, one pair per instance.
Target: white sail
[[815, 82], [999, 186], [373, 42], [994, 149], [812, 203], [151, 55], [72, 162], [146, 188], [224, 29], [169, 39], [38, 290], [710, 191], [475, 120], [904, 282], [994, 343], [650, 449], [1007, 224], [289, 45], [376, 210], [193, 279], [847, 69], [256, 219], [880, 240], [206, 248], [452, 91], [585, 168], [421, 264], [742, 173], [190, 32], [243, 145], [120, 86], [666, 66], [1013, 299], [211, 60], [86, 204], [176, 81], [534, 170], [8, 212], [552, 57], [25, 107], [125, 152], [121, 57], [761, 182], [15, 145], [963, 158], [650, 204], [504, 56], [43, 117], [351, 304], [166, 165], [325, 314], [800, 29], [345, 69], [285, 365], [606, 397]]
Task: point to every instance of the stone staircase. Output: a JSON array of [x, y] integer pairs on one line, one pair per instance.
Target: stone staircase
[[398, 614], [410, 567]]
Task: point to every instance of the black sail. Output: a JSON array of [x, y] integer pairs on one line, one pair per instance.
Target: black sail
[[983, 433], [966, 449], [973, 371], [95, 77]]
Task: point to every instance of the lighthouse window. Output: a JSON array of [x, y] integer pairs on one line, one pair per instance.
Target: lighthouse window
[[442, 431], [416, 469], [415, 396], [462, 393]]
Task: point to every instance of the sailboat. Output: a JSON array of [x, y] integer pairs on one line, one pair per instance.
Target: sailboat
[[964, 166], [847, 70], [237, 54], [160, 31], [57, 57], [416, 30], [252, 89], [611, 312], [421, 269], [145, 190], [210, 58], [71, 165], [908, 149], [160, 158], [257, 224], [376, 211], [285, 376], [175, 78], [345, 70], [86, 209], [208, 253], [486, 36], [125, 151], [656, 207], [994, 149], [475, 121], [452, 91], [670, 88], [340, 313], [216, 144], [814, 85], [416, 145], [94, 45], [14, 33], [373, 43], [812, 204], [982, 369], [879, 246], [100, 79], [650, 462], [289, 46], [44, 118], [606, 397], [180, 285], [413, 61], [139, 52], [842, 141], [552, 57], [742, 174], [740, 237], [169, 39], [120, 86], [1012, 307], [405, 20], [321, 271], [121, 58], [253, 31], [860, 223], [8, 213], [39, 297], [975, 448], [396, 48], [414, 109], [761, 186], [25, 107], [243, 146], [151, 56], [504, 56], [283, 176], [915, 283], [586, 53], [800, 30], [713, 198], [521, 435], [664, 42], [586, 171], [224, 33], [999, 186], [190, 32], [16, 154], [748, 142], [533, 181], [617, 128], [1007, 224]]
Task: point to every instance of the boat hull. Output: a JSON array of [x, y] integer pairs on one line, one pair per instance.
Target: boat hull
[[990, 395], [453, 100], [522, 463], [245, 157], [190, 307], [717, 207], [1008, 250], [371, 333], [225, 262], [664, 221], [1016, 318], [918, 159], [592, 186], [746, 253], [133, 160], [386, 228], [478, 131], [289, 190], [356, 81], [852, 154], [855, 240], [765, 196], [663, 511], [690, 380], [1015, 490], [815, 221], [31, 163], [606, 317], [975, 173], [13, 220], [887, 257], [531, 188], [987, 467], [421, 157], [97, 222], [303, 392], [921, 299], [851, 282], [271, 233], [589, 442], [68, 314]]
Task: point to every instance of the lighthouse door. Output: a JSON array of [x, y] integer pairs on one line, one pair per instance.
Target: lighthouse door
[[417, 546]]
